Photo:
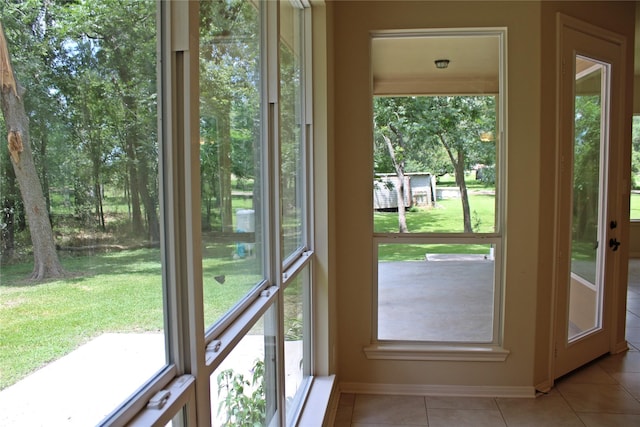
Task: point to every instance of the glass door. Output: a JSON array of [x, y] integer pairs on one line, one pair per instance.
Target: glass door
[[587, 240], [590, 143]]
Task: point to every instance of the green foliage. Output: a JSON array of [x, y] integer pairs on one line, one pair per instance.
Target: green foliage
[[430, 126], [487, 175], [243, 401], [89, 70], [229, 104], [586, 168], [635, 153], [437, 134], [477, 221]]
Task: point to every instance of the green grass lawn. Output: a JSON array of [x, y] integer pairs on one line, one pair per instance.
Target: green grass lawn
[[110, 292], [445, 217], [634, 212], [122, 291], [41, 322], [417, 252]]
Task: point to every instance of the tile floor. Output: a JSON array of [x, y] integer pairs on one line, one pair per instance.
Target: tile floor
[[605, 393]]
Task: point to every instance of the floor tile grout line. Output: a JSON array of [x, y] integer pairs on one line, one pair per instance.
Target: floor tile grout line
[[570, 407], [635, 289], [504, 419]]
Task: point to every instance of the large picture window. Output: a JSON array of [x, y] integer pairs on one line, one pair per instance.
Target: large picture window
[[231, 154], [175, 203], [81, 264], [437, 186]]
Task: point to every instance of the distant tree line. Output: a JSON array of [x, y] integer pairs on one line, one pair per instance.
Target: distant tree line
[[88, 69]]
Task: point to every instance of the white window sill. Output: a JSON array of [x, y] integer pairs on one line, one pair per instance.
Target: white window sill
[[317, 405], [420, 351]]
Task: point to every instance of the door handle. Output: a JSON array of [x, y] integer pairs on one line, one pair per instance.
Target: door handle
[[614, 243]]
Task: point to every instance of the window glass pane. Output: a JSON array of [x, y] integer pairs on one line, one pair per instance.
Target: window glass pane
[[635, 170], [435, 164], [589, 181], [243, 387], [296, 339], [74, 345], [230, 153], [436, 292], [291, 128]]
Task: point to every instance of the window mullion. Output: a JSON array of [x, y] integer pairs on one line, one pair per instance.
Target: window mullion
[[274, 211], [182, 187]]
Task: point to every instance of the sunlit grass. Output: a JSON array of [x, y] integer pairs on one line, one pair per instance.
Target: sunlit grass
[[40, 322], [109, 292], [446, 217], [404, 252], [634, 212]]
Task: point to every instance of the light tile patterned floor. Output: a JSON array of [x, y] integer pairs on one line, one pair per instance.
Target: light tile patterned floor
[[605, 393]]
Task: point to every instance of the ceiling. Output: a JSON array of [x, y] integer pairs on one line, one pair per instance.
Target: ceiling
[[405, 65]]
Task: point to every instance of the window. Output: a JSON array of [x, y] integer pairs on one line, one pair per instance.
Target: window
[[437, 187], [90, 158], [256, 256], [199, 169], [292, 131], [232, 156]]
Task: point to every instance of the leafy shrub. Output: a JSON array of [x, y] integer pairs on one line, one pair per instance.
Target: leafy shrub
[[243, 401]]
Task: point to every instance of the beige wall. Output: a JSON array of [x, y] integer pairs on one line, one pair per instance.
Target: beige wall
[[353, 150], [530, 149]]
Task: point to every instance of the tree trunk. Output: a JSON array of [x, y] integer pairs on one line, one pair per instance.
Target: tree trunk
[[150, 203], [8, 232], [464, 195], [44, 175], [46, 262], [137, 226], [399, 167], [224, 160], [458, 166]]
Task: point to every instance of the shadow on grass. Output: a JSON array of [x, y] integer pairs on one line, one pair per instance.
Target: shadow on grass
[[139, 261]]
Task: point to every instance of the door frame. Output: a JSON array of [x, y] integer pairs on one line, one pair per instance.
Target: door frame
[[614, 283]]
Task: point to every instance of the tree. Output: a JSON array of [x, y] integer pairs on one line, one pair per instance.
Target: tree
[[415, 127], [29, 24], [46, 262], [586, 164], [229, 85], [390, 124]]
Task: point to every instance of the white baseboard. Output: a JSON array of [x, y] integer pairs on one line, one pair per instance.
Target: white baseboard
[[439, 390]]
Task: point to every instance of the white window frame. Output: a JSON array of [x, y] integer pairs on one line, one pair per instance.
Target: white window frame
[[193, 354], [467, 351]]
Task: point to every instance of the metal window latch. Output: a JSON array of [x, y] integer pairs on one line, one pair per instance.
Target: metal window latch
[[267, 292], [159, 399], [214, 346]]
